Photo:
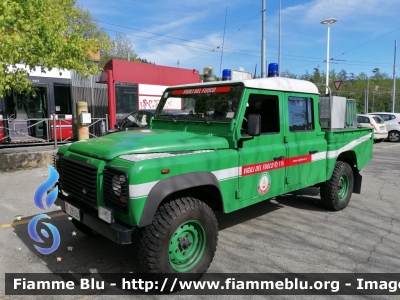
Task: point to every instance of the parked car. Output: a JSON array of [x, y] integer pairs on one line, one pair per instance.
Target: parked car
[[376, 122], [392, 121], [139, 119]]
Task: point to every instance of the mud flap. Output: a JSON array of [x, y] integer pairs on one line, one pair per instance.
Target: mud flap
[[357, 182]]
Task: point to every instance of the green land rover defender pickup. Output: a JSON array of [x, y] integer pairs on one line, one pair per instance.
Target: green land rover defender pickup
[[235, 144]]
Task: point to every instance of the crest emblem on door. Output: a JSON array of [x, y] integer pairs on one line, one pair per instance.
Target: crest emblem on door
[[264, 183]]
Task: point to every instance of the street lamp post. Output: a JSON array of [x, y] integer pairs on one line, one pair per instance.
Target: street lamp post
[[263, 47], [328, 22], [375, 71]]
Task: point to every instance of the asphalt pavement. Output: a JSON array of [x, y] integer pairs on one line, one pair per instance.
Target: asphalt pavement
[[289, 234]]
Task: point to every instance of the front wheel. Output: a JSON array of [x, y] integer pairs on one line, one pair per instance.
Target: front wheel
[[336, 192], [378, 140], [182, 238]]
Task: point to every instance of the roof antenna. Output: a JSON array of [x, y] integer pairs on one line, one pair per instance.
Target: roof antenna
[[223, 40]]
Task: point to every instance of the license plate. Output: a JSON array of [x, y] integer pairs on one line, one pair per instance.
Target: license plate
[[382, 127], [73, 211]]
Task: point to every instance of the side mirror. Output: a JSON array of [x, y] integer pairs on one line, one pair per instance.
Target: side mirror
[[254, 125], [117, 126]]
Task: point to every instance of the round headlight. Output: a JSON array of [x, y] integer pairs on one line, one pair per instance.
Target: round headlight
[[117, 182]]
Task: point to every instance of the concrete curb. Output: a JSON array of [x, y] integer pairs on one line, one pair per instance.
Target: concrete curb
[[23, 160]]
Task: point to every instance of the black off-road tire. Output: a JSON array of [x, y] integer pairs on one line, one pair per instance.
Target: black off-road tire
[[336, 192], [84, 228], [188, 220]]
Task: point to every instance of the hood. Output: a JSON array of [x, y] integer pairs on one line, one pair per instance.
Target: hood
[[146, 141]]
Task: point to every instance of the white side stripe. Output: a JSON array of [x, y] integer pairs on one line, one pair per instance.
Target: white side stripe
[[143, 189], [351, 145], [318, 156], [227, 173]]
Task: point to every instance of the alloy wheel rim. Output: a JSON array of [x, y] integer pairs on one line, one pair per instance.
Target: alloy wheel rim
[[394, 136]]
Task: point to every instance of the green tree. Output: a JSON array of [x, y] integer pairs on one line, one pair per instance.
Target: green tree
[[45, 34], [288, 74], [121, 49]]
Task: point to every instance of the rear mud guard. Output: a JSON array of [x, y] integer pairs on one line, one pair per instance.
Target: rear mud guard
[[357, 182]]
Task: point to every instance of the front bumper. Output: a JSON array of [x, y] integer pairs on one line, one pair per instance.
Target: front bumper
[[116, 232]]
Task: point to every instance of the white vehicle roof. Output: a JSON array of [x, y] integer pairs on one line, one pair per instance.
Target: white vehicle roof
[[392, 113], [270, 83], [369, 116]]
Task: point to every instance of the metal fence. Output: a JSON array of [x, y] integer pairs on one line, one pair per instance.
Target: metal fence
[[55, 130], [82, 89]]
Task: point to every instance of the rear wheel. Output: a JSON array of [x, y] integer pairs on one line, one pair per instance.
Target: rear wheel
[[182, 238], [394, 136], [336, 192]]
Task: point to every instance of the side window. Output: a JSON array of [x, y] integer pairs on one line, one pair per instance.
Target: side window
[[126, 97], [267, 106], [62, 99], [361, 119], [385, 117], [301, 116], [378, 120], [392, 117]]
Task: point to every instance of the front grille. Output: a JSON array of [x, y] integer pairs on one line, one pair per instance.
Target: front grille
[[78, 179], [57, 162], [115, 192]]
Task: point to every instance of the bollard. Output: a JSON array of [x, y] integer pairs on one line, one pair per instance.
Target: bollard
[[103, 128], [107, 122], [82, 130], [55, 131]]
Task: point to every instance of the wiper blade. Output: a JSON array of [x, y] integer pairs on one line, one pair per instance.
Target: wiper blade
[[202, 117], [205, 120]]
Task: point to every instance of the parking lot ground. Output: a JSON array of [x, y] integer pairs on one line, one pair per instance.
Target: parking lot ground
[[289, 234]]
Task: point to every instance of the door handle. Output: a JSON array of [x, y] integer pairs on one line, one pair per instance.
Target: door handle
[[279, 158], [313, 151]]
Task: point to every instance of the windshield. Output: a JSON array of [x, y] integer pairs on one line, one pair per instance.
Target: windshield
[[211, 103], [378, 120], [136, 119]]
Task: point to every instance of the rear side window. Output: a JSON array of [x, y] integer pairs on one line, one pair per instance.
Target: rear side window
[[385, 117], [388, 117], [362, 119], [378, 120]]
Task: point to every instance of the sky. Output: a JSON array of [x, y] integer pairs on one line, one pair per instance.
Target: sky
[[227, 34]]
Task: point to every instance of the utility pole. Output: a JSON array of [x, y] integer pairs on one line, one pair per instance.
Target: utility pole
[[279, 42], [394, 79], [263, 49], [366, 98]]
